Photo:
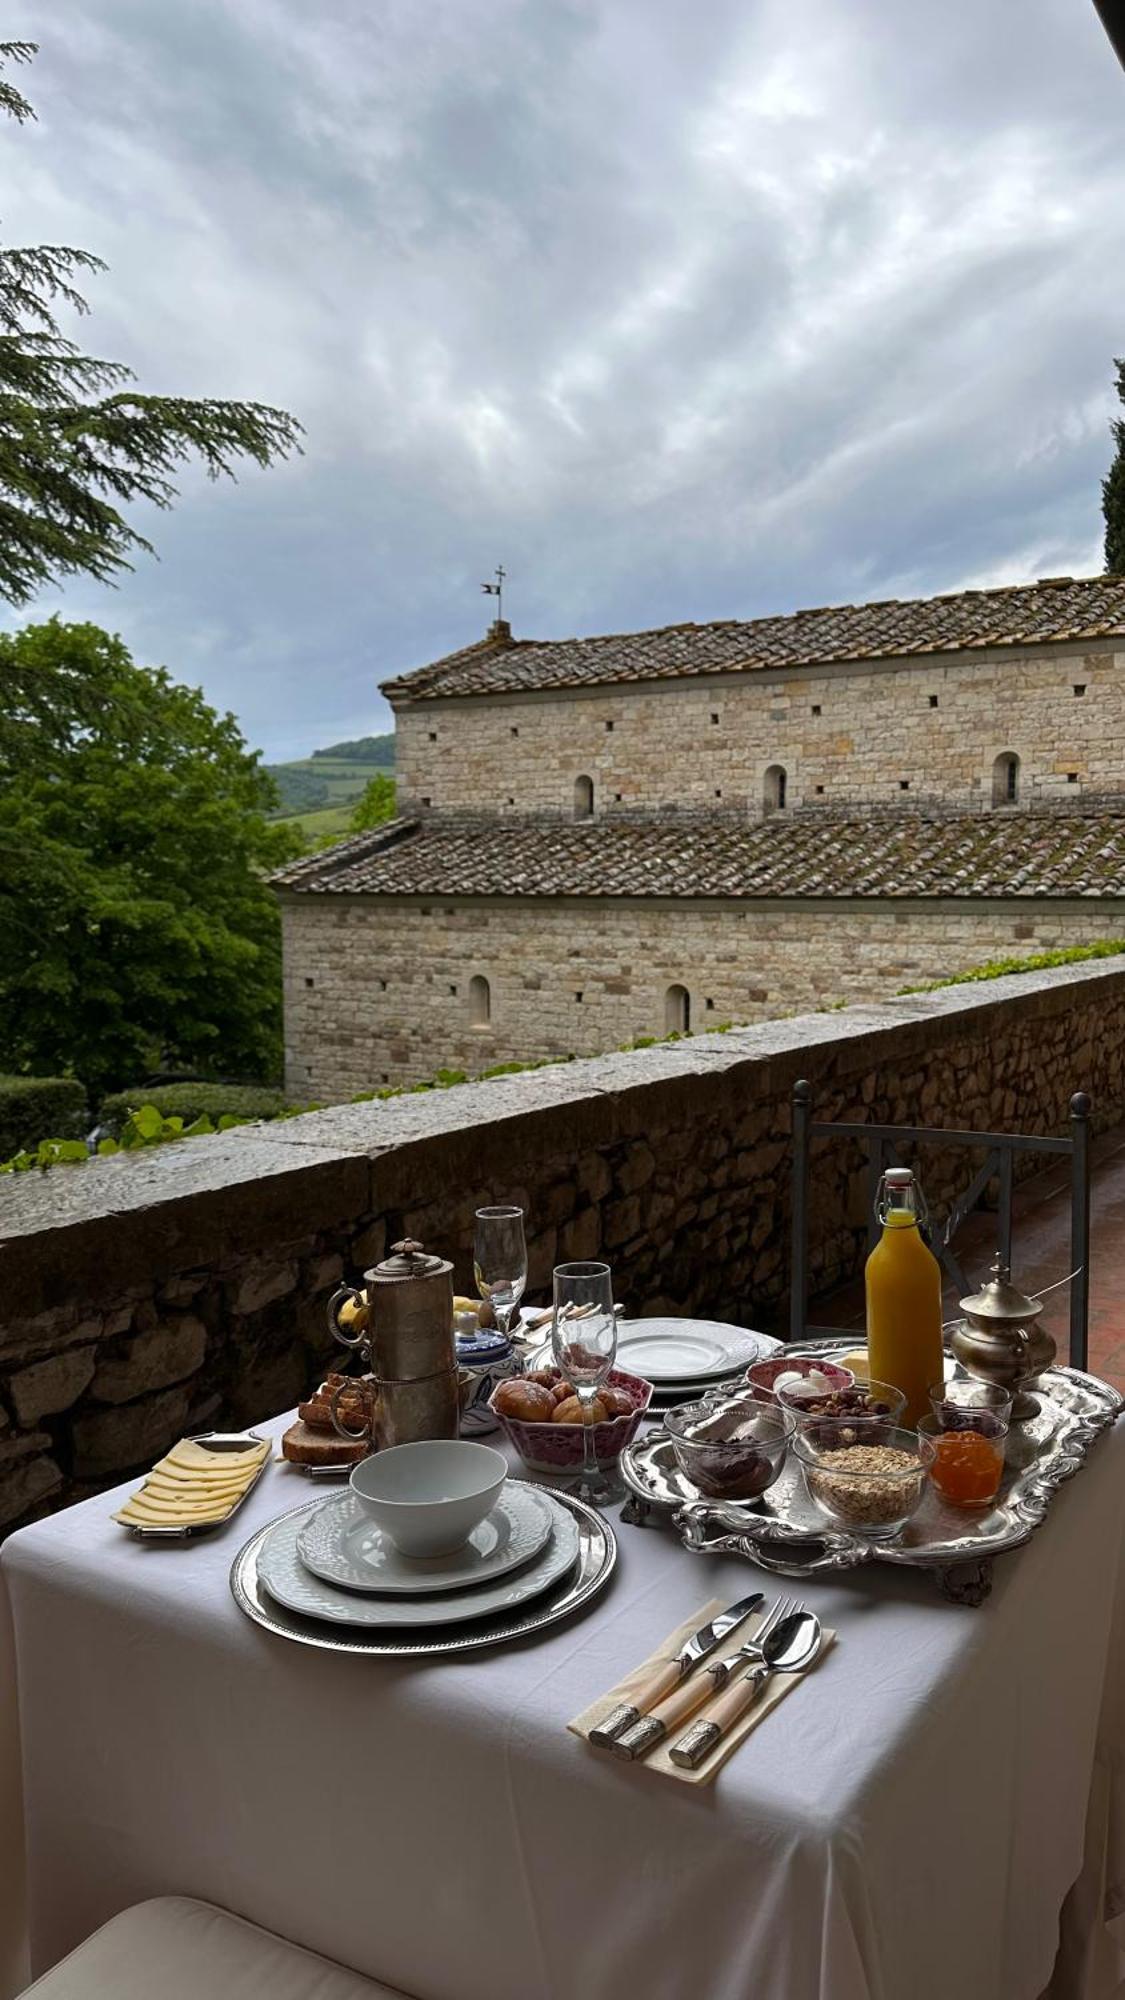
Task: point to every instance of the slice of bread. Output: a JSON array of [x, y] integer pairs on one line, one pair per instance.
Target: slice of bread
[[302, 1445]]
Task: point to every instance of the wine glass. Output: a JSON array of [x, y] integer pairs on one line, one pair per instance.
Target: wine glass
[[500, 1261], [584, 1343]]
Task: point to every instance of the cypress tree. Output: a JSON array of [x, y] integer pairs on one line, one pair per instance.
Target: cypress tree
[[77, 441], [1113, 490]]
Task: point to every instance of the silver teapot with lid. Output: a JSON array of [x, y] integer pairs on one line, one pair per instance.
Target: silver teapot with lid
[[999, 1340], [402, 1325]]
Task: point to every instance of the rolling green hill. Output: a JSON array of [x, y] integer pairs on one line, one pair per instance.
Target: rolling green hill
[[334, 776]]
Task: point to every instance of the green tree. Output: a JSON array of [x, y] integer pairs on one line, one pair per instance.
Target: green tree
[[137, 929], [376, 803], [76, 444], [1113, 490]]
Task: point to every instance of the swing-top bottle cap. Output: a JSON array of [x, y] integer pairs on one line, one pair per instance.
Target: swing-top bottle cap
[[898, 1177]]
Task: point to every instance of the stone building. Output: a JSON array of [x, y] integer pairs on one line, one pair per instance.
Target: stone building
[[600, 839]]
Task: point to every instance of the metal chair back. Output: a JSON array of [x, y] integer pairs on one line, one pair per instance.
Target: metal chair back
[[883, 1146]]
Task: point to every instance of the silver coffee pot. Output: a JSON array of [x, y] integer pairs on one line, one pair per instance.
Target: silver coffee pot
[[403, 1328]]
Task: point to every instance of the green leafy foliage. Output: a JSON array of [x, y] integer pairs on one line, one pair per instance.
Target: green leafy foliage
[[363, 750], [148, 1126], [377, 804], [190, 1101], [30, 1104], [77, 441], [143, 1127], [137, 931], [1040, 961], [1113, 490]]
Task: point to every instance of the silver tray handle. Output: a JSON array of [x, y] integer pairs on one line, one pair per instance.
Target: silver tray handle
[[768, 1542]]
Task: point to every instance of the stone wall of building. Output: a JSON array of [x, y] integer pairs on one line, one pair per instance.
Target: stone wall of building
[[147, 1295], [887, 731], [378, 990]]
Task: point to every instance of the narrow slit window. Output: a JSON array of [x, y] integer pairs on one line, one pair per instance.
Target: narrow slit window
[[677, 1011], [1006, 779], [583, 798], [480, 1001], [775, 788]]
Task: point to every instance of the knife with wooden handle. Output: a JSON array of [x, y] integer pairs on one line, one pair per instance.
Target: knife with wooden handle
[[683, 1701], [734, 1701], [668, 1674], [791, 1648]]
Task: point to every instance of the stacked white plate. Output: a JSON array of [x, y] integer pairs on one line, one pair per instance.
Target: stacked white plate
[[684, 1358], [328, 1566]]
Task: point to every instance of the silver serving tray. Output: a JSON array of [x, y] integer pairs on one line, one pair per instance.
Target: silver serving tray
[[786, 1533], [218, 1442], [597, 1554]]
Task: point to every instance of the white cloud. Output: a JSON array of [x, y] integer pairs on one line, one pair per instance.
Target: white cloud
[[679, 313]]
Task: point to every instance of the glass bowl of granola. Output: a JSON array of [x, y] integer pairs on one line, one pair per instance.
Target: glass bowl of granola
[[867, 1488]]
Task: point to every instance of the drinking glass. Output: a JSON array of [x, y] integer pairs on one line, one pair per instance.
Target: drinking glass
[[584, 1343], [500, 1261]]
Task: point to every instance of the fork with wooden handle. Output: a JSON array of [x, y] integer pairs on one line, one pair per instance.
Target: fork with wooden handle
[[791, 1647], [666, 1715]]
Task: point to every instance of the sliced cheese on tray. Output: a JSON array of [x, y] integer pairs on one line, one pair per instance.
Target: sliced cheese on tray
[[193, 1487], [196, 1457], [233, 1475]]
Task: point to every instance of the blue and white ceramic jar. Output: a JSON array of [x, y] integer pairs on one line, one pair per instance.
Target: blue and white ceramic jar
[[490, 1358]]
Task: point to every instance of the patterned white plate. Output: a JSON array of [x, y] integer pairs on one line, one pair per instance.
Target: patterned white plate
[[280, 1569], [344, 1545], [676, 1352]]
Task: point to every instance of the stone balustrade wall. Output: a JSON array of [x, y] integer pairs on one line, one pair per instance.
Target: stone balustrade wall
[[150, 1294]]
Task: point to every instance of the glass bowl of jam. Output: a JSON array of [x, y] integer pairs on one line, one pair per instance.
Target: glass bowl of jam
[[965, 1464]]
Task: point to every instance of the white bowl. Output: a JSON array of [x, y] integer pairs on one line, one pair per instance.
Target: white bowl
[[428, 1497]]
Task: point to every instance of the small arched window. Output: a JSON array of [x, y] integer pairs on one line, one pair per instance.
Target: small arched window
[[1006, 779], [677, 1011], [583, 798], [775, 788], [480, 1001]]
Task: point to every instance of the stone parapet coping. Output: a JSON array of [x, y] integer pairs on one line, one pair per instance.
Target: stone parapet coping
[[92, 1233]]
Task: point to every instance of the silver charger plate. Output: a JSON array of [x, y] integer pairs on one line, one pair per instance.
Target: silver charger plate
[[597, 1555], [291, 1584], [340, 1543]]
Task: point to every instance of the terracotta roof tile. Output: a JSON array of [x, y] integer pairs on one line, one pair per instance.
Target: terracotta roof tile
[[812, 852], [1058, 608]]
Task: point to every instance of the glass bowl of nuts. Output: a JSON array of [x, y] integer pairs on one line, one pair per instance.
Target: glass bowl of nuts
[[730, 1449], [869, 1488], [863, 1409]]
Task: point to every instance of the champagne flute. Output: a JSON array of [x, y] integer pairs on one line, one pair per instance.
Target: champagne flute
[[584, 1343], [500, 1261]]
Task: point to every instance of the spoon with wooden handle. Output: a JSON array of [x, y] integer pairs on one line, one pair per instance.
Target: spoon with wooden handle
[[789, 1650], [665, 1716]]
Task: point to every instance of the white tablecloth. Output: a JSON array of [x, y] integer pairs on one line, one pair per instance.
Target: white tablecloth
[[908, 1823]]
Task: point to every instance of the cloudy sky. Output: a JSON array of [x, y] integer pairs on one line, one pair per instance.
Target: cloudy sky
[[679, 310]]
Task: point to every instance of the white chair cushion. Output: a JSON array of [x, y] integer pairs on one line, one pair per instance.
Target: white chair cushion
[[174, 1948]]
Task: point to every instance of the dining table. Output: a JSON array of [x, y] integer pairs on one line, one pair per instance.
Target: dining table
[[938, 1809]]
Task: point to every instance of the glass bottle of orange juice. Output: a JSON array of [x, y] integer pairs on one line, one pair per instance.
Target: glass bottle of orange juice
[[903, 1281]]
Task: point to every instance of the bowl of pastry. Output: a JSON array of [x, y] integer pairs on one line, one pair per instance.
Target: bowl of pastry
[[543, 1417]]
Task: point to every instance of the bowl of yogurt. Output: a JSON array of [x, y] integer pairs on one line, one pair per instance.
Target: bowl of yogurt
[[799, 1375]]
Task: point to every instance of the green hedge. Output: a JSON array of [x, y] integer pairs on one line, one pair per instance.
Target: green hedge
[[31, 1105], [190, 1101]]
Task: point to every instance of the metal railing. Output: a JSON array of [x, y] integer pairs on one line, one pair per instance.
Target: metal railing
[[882, 1145]]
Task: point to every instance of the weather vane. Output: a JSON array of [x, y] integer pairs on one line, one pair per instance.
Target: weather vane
[[496, 590]]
